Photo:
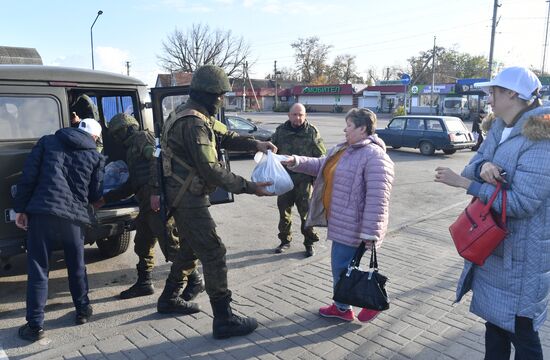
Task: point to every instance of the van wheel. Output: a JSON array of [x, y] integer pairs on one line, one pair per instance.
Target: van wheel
[[114, 245], [426, 148], [449, 151]]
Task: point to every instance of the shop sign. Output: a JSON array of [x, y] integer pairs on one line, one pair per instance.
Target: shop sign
[[321, 90]]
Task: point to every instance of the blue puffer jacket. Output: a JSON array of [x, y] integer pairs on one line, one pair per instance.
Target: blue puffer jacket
[[515, 279], [62, 174]]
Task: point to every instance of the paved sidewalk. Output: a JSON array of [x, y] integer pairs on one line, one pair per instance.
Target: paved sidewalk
[[422, 323]]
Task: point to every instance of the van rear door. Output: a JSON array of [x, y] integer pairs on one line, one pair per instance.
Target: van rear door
[[167, 99]]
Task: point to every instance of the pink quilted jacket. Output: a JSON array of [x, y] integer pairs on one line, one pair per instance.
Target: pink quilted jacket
[[360, 196]]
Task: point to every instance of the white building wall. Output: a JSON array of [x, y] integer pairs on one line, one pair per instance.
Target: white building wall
[[326, 99]]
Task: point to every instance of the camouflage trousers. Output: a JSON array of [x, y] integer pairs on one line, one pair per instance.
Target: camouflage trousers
[[299, 196], [149, 229], [199, 240]]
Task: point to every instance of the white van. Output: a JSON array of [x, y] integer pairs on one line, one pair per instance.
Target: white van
[[456, 106]]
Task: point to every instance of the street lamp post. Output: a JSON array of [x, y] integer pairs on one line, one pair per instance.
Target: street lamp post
[[92, 36]]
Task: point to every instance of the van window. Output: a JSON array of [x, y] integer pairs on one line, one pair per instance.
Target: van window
[[28, 117], [113, 105], [170, 103]]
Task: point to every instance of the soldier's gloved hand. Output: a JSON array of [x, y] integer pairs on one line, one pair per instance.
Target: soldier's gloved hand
[[261, 188], [155, 202], [263, 146]]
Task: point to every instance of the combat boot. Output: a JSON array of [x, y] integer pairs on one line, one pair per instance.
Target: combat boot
[[142, 287], [195, 285], [170, 303], [226, 324]]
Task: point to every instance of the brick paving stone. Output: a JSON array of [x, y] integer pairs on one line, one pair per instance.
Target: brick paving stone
[[91, 353], [73, 356], [459, 351], [410, 332], [336, 353]]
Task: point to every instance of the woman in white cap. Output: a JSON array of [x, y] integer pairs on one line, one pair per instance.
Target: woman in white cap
[[510, 291]]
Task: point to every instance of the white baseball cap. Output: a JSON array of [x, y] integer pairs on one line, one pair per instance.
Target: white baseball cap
[[515, 78], [91, 126]]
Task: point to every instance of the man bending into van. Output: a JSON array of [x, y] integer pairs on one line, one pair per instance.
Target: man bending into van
[[62, 175]]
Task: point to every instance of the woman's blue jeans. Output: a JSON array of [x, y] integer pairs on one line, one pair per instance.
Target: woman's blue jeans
[[526, 341], [340, 258]]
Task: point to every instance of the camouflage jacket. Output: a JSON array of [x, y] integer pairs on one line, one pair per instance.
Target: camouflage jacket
[[303, 141], [196, 141], [142, 168]]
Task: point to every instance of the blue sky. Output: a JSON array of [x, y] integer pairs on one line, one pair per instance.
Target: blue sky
[[379, 33]]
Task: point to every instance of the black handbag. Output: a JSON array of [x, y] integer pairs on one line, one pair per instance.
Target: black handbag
[[364, 289]]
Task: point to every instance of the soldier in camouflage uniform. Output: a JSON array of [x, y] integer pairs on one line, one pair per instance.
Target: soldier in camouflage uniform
[[297, 136], [142, 167], [190, 139]]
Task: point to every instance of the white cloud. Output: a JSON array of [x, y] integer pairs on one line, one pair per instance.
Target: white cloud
[[111, 59], [185, 7]]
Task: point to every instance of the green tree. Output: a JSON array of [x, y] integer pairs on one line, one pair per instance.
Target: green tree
[[311, 56], [449, 66]]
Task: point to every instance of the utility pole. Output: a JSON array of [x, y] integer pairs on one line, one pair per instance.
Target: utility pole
[[433, 79], [387, 74], [545, 39], [493, 28], [275, 77], [244, 86], [128, 68]]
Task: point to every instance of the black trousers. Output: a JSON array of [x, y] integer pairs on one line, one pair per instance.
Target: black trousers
[[44, 233], [526, 341]]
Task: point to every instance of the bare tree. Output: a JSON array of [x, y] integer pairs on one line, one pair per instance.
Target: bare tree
[[311, 56], [344, 70], [199, 46]]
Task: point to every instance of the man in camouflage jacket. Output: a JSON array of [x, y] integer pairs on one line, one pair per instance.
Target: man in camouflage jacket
[[142, 167], [297, 137], [190, 140]]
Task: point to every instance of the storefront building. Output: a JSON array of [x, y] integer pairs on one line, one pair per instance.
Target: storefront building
[[325, 98]]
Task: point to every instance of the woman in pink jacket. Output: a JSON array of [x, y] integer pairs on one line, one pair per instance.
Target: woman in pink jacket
[[350, 197]]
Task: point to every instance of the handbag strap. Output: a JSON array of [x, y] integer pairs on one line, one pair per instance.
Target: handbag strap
[[358, 255], [373, 257], [492, 199]]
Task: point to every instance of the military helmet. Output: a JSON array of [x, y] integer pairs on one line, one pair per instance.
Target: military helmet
[[211, 79], [121, 122]]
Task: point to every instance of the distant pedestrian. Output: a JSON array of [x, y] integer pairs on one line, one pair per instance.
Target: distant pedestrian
[[297, 136], [62, 175], [351, 197], [511, 290]]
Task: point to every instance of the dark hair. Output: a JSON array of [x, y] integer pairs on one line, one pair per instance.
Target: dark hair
[[363, 117]]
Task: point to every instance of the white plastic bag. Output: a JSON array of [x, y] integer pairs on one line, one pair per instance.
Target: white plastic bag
[[269, 168], [116, 174]]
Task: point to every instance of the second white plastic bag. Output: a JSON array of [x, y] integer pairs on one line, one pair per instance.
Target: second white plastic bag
[[269, 168]]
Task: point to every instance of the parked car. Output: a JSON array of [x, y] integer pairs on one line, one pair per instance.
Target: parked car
[[427, 133], [246, 127]]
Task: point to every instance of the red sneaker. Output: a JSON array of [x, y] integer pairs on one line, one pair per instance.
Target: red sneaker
[[333, 311], [367, 315]]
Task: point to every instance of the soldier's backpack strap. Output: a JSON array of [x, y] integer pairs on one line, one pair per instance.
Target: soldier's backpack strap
[[169, 155]]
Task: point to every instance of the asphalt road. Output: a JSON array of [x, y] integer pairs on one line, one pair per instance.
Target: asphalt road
[[248, 227]]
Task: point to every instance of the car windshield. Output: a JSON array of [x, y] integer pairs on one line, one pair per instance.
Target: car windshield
[[449, 104], [454, 125]]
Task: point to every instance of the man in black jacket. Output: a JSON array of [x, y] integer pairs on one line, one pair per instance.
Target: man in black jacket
[[62, 175]]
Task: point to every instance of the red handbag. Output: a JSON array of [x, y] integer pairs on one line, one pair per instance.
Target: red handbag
[[478, 230]]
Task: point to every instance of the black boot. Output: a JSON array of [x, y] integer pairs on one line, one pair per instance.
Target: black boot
[[170, 303], [142, 287], [226, 324], [195, 285]]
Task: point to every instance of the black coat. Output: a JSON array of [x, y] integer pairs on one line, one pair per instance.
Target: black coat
[[62, 174]]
